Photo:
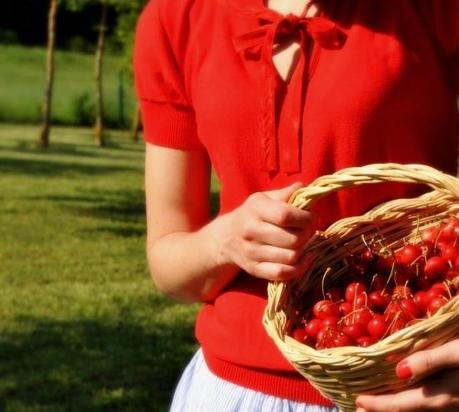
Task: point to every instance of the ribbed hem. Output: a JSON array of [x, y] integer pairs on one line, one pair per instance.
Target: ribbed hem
[[169, 125], [284, 385]]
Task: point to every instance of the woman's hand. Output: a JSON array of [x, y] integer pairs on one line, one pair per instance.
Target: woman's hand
[[438, 389], [265, 236]]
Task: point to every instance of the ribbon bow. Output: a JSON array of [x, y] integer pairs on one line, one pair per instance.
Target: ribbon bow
[[277, 30]]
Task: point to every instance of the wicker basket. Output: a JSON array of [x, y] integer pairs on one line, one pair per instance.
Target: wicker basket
[[342, 373]]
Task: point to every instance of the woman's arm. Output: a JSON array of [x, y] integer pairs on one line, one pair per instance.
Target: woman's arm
[[192, 258]]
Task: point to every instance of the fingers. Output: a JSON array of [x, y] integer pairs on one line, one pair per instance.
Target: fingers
[[438, 394], [409, 400], [279, 271], [284, 193], [267, 233], [279, 213], [429, 361]]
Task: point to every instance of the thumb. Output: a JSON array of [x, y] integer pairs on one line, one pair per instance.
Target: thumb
[[284, 193], [428, 361]]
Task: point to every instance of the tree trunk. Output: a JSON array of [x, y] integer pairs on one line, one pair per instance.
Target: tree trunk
[[99, 126], [44, 136], [136, 124]]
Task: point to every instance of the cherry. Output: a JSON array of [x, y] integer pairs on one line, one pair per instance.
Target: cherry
[[366, 341], [429, 236], [345, 308], [450, 252], [300, 335], [377, 326], [362, 316], [378, 282], [422, 301], [436, 266], [409, 309], [343, 340], [435, 304], [353, 290], [355, 330], [408, 254], [378, 299], [325, 308], [313, 327]]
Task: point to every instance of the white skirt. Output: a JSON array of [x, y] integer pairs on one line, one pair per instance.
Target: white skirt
[[199, 390]]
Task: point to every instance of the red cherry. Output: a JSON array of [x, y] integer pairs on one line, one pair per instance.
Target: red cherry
[[402, 292], [355, 330], [450, 253], [408, 254], [343, 340], [353, 290], [435, 304], [429, 236], [396, 325], [366, 341], [456, 263], [423, 283], [361, 301], [379, 299], [368, 257], [422, 301], [384, 264], [378, 282], [325, 308], [362, 316], [403, 275], [441, 286], [451, 274], [409, 309], [448, 232], [436, 292], [392, 311], [436, 266], [313, 327], [300, 335], [330, 321], [345, 308], [377, 326]]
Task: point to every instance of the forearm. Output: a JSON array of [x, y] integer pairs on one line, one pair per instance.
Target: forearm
[[188, 266]]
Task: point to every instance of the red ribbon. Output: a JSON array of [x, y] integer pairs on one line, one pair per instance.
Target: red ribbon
[[276, 30]]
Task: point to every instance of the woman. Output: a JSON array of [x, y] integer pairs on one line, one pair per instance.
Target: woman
[[273, 94]]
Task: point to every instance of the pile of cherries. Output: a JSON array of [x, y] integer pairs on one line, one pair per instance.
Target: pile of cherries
[[384, 291]]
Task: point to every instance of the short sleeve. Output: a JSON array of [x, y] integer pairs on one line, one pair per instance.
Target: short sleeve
[[442, 16], [168, 118]]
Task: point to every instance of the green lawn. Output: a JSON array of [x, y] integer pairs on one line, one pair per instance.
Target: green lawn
[[22, 81], [82, 327]]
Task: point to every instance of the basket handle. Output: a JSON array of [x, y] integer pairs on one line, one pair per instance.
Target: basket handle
[[375, 173]]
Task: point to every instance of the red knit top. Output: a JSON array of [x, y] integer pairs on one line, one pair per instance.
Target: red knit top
[[375, 82]]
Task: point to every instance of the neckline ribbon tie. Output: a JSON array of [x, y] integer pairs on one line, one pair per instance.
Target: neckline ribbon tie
[[276, 30]]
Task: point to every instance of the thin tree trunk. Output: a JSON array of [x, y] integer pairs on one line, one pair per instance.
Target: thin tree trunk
[[46, 123], [136, 124], [99, 126]]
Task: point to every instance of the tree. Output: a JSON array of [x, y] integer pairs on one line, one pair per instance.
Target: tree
[[99, 124], [46, 125], [128, 14]]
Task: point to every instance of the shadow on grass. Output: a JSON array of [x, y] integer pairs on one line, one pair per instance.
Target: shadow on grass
[[81, 149], [92, 365], [54, 169]]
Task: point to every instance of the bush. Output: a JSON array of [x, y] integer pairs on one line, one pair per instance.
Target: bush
[[83, 108], [8, 37]]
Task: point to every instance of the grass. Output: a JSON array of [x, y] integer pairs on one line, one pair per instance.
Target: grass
[[22, 82], [82, 326]]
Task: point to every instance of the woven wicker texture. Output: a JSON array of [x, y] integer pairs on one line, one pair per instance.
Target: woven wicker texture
[[342, 373]]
